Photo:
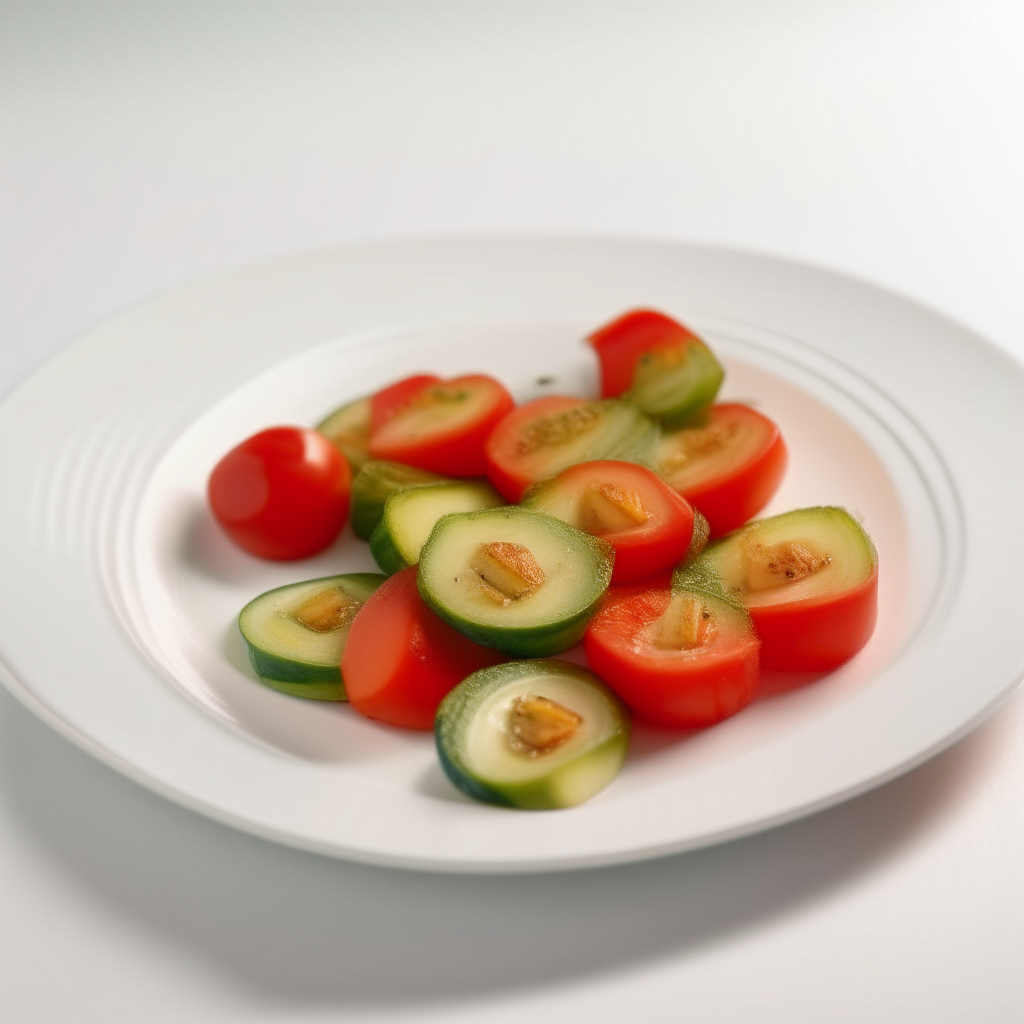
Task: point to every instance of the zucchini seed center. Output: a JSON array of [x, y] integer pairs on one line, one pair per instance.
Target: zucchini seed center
[[550, 431], [609, 508], [507, 571], [772, 565], [692, 443], [684, 625], [538, 725], [327, 610]]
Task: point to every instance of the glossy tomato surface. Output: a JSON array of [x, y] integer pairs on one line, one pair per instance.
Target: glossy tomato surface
[[443, 427], [394, 398], [681, 689], [817, 634], [649, 525], [282, 493], [621, 343], [400, 659], [728, 466]]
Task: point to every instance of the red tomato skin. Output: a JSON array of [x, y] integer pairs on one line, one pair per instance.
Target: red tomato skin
[[645, 551], [622, 342], [400, 659], [666, 691], [391, 400], [506, 475], [457, 452], [817, 635], [281, 494], [731, 499]]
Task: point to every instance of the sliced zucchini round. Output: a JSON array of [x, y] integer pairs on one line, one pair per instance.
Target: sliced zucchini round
[[375, 482], [515, 579], [296, 634], [410, 514], [674, 382], [537, 734]]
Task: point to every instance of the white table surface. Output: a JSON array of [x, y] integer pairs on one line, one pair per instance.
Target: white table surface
[[143, 145]]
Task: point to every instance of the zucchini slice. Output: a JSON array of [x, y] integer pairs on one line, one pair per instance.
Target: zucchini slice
[[514, 579], [348, 429], [296, 634], [375, 482], [410, 514], [536, 735]]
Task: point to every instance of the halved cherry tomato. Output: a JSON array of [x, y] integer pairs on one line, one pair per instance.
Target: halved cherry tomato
[[444, 426], [621, 343], [649, 525], [728, 466], [400, 659], [282, 493], [392, 399], [677, 664]]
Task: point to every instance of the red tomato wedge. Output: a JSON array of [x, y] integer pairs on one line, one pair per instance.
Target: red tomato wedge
[[649, 525], [728, 466], [282, 493], [443, 427], [400, 659], [621, 343], [684, 661], [543, 437], [809, 579], [394, 398]]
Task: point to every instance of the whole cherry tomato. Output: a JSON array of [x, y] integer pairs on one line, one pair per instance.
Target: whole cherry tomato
[[282, 493]]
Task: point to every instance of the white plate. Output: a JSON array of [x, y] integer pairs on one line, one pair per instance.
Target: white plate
[[119, 593]]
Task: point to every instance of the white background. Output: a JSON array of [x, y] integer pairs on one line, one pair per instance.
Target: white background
[[143, 145]]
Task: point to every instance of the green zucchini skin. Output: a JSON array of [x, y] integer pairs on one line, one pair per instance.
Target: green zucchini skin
[[294, 674], [673, 394], [555, 781], [348, 429], [533, 635], [391, 545], [375, 482]]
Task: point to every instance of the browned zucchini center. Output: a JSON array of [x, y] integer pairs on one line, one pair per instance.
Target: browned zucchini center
[[327, 610], [538, 725], [549, 431], [773, 565], [686, 624], [609, 508], [507, 571]]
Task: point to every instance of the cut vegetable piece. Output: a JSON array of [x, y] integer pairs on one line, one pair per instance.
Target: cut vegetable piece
[[683, 660], [809, 579], [348, 429], [728, 466], [650, 526], [391, 400], [666, 369], [536, 735], [401, 659], [444, 427], [375, 483], [282, 493], [543, 437], [514, 578], [296, 634], [410, 514]]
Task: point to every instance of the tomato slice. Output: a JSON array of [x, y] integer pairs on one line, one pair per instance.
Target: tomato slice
[[621, 343], [443, 427], [543, 437], [728, 466], [389, 401], [400, 659], [282, 493], [649, 525], [684, 661]]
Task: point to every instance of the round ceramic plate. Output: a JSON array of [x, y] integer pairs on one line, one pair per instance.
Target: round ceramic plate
[[120, 594]]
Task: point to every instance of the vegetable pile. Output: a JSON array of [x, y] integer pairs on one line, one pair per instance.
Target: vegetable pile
[[507, 535]]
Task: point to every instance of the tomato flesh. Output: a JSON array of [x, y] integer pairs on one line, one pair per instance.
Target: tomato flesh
[[649, 525], [400, 659], [443, 427], [391, 400], [682, 688], [728, 466], [281, 494]]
